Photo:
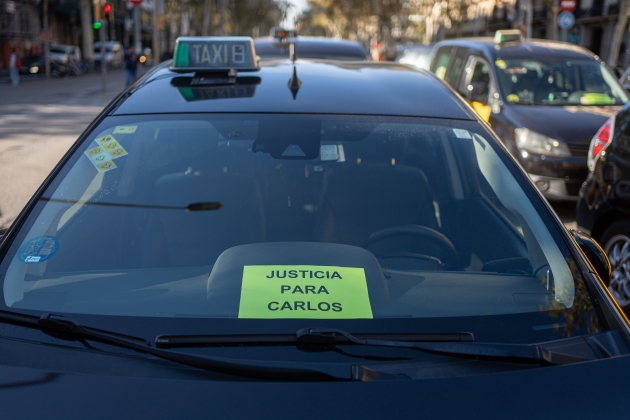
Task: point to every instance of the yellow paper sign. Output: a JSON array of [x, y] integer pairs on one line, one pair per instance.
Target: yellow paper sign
[[304, 291], [125, 129], [105, 140], [106, 166], [94, 151], [117, 152]]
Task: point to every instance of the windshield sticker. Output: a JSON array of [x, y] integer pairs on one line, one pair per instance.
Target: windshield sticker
[[125, 129], [513, 97], [328, 152], [304, 291], [38, 249], [461, 134], [500, 64], [102, 155]]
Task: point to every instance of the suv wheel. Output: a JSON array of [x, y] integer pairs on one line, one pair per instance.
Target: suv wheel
[[616, 240]]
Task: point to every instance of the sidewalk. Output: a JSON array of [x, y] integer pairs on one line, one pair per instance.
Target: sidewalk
[[39, 121]]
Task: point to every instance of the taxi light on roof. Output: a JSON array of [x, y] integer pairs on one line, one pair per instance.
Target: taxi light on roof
[[508, 35], [214, 54]]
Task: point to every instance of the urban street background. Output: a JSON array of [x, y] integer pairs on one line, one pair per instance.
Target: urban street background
[[39, 121]]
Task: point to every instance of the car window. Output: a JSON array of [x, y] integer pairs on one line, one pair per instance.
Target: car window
[[481, 75], [456, 69], [441, 61], [379, 217], [568, 82]]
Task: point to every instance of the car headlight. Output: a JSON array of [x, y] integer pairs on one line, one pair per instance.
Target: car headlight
[[537, 143], [34, 69]]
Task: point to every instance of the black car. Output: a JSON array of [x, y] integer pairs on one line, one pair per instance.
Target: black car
[[544, 99], [603, 210], [312, 239], [278, 46]]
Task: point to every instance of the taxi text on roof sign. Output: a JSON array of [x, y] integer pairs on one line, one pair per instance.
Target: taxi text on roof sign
[[214, 54]]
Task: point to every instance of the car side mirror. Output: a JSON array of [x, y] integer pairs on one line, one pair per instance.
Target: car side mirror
[[595, 254], [478, 92]]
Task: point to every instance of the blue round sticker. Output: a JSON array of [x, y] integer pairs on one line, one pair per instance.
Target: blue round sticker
[[38, 249]]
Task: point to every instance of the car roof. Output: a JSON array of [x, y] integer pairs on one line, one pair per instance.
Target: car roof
[[537, 48], [327, 87], [311, 47]]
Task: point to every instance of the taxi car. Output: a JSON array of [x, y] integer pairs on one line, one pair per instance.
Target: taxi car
[[304, 238], [544, 99]]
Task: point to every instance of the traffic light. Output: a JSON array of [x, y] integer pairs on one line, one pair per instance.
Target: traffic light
[[97, 24], [108, 12]]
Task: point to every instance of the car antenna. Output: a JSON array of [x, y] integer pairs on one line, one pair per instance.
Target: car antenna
[[294, 83]]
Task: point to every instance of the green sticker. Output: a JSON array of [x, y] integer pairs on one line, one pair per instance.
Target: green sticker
[[512, 97], [500, 64], [595, 99], [304, 291]]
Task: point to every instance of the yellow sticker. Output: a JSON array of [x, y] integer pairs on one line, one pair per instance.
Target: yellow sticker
[[111, 145], [500, 64], [304, 291], [117, 152], [125, 129], [95, 151], [106, 166], [105, 139], [513, 97]]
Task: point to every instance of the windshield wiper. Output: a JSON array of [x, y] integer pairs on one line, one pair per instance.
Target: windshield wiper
[[68, 329], [573, 350], [580, 349], [443, 344], [171, 341]]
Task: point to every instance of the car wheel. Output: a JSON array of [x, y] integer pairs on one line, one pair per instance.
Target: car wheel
[[616, 240]]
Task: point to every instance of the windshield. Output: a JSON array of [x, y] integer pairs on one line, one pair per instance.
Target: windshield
[[98, 49], [57, 50], [578, 82], [287, 216]]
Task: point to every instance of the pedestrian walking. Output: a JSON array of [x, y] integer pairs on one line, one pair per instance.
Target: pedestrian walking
[[14, 67], [131, 64]]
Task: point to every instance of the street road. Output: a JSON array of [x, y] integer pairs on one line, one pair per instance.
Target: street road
[[39, 121]]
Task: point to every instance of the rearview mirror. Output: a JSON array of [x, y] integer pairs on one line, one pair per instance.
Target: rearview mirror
[[595, 254]]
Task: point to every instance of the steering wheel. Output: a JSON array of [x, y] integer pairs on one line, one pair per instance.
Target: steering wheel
[[450, 258]]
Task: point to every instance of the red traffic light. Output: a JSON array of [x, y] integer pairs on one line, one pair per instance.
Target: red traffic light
[[107, 8]]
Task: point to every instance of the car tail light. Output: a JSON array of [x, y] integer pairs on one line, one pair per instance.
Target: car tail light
[[600, 142]]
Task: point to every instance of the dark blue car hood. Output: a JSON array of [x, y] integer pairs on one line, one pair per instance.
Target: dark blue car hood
[[586, 390], [570, 124]]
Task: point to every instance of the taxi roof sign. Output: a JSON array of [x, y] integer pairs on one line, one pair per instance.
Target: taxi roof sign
[[214, 54], [507, 35]]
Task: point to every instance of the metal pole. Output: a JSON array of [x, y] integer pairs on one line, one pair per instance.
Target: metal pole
[[46, 41], [565, 35], [136, 29], [156, 35], [101, 36], [530, 18], [555, 10]]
